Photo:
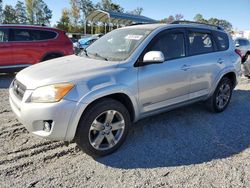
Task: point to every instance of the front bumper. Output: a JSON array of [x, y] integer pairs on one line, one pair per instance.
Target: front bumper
[[33, 115]]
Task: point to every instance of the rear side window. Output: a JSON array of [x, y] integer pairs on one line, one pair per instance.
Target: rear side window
[[4, 35], [32, 35], [172, 45], [242, 42], [200, 43], [222, 41], [21, 35], [43, 35]]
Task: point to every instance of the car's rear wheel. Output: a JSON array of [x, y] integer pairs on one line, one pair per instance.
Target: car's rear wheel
[[103, 128], [219, 101]]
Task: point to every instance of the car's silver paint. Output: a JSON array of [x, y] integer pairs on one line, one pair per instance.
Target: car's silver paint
[[152, 89]]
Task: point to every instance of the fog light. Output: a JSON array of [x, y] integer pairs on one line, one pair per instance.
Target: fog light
[[47, 125]]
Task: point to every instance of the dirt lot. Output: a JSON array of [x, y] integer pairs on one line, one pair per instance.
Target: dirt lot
[[188, 147]]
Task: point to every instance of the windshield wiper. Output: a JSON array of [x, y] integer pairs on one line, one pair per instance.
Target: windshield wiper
[[99, 56]]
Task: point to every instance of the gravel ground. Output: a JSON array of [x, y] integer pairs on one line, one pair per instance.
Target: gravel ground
[[187, 147]]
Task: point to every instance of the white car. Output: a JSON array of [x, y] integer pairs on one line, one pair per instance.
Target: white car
[[244, 46]]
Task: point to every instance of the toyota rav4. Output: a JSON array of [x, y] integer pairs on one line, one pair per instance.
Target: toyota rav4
[[128, 74]]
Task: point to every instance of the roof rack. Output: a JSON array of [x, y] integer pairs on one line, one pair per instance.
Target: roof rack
[[198, 23]]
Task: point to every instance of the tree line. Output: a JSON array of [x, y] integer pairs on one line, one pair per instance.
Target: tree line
[[73, 18], [27, 12]]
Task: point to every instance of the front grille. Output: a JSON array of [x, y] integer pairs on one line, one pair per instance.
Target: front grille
[[18, 89]]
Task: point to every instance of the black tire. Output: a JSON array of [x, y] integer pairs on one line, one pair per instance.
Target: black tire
[[212, 103], [82, 137]]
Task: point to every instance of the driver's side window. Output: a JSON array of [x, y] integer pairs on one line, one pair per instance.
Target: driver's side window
[[172, 45]]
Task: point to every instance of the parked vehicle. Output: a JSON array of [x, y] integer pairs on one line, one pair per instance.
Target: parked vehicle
[[126, 75], [244, 46], [23, 45], [85, 42]]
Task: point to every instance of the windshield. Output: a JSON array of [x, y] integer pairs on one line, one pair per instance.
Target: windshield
[[117, 45]]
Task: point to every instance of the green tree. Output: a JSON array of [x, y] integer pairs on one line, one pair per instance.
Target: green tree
[[172, 18], [199, 18], [224, 23], [42, 13], [108, 5], [21, 17], [1, 11], [38, 12], [64, 22], [137, 11], [75, 12], [9, 15], [116, 8], [85, 6], [30, 9], [214, 21]]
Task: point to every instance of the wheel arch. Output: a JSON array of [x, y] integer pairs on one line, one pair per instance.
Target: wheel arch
[[129, 102], [225, 73]]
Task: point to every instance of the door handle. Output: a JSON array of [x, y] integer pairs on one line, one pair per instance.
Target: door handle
[[185, 67], [220, 61]]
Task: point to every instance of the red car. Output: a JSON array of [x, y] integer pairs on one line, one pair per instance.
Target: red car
[[21, 45]]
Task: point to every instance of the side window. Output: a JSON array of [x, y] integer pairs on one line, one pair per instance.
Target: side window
[[200, 43], [43, 35], [4, 35], [242, 42], [21, 35], [172, 45], [222, 41]]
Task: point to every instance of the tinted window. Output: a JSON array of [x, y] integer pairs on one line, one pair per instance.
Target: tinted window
[[43, 35], [170, 44], [3, 35], [200, 43], [21, 35], [32, 35], [222, 41], [242, 42]]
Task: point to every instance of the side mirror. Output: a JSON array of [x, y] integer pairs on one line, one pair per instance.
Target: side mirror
[[237, 45], [153, 57]]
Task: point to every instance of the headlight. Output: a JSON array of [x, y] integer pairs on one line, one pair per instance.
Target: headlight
[[51, 93]]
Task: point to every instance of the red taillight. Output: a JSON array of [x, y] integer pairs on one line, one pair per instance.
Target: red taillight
[[239, 53]]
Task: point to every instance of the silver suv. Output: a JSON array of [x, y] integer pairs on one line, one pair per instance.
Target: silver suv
[[128, 74]]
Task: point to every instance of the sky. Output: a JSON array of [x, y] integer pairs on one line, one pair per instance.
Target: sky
[[236, 12]]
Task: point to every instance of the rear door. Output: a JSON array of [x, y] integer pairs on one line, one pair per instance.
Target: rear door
[[205, 59], [24, 49], [5, 48]]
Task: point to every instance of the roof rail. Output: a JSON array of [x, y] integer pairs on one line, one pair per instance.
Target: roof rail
[[198, 23], [141, 23]]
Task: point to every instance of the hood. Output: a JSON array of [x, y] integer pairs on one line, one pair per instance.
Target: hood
[[65, 69]]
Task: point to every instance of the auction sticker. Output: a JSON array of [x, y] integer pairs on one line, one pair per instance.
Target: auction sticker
[[134, 37]]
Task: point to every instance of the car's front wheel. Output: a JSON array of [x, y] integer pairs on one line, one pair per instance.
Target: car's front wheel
[[103, 127], [219, 101]]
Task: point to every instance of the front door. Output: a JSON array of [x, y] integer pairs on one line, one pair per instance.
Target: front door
[[165, 84]]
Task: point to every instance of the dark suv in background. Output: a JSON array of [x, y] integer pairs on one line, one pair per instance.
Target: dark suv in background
[[21, 45]]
